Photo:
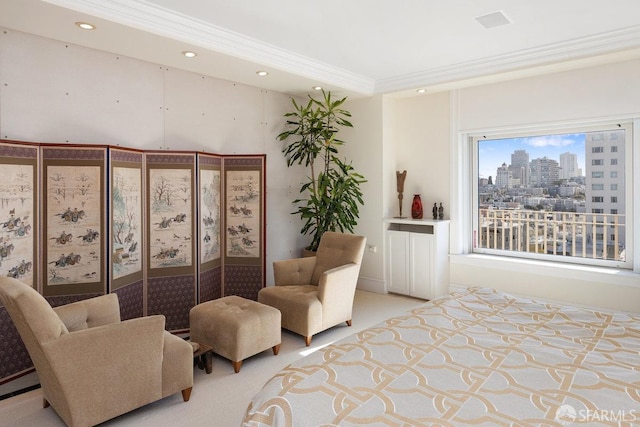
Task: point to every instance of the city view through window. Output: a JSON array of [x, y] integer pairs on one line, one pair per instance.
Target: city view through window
[[559, 194]]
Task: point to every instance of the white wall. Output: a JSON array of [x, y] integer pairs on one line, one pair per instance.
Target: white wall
[[52, 92], [364, 147], [423, 136], [590, 94]]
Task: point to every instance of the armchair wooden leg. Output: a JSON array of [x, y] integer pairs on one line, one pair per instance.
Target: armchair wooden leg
[[307, 340], [276, 349], [45, 403], [349, 322], [186, 394], [237, 365]]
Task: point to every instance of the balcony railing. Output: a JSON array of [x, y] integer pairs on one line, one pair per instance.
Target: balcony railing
[[586, 235]]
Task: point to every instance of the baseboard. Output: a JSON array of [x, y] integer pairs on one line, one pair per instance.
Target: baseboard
[[371, 285]]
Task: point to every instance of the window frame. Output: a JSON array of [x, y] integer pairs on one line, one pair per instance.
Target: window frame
[[631, 236]]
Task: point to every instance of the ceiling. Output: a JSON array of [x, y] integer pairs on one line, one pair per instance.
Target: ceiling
[[352, 47]]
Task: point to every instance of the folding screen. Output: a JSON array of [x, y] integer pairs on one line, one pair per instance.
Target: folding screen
[[170, 244], [163, 230], [244, 213], [209, 220], [127, 225]]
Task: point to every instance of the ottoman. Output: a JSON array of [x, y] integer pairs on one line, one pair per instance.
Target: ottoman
[[236, 328]]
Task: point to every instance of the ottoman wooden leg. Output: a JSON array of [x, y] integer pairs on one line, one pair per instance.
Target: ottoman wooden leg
[[237, 365], [276, 349], [208, 361]]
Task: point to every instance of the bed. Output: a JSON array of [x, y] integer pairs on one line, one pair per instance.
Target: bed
[[475, 357]]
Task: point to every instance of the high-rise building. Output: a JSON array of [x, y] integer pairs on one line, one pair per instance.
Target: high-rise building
[[605, 183], [569, 166], [520, 166], [544, 171], [503, 177]]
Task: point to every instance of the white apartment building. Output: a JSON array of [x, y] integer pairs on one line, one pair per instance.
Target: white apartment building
[[605, 189], [569, 166]]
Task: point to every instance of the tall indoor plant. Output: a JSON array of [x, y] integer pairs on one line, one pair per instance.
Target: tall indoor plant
[[331, 194]]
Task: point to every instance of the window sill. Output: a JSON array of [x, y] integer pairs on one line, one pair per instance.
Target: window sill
[[621, 277]]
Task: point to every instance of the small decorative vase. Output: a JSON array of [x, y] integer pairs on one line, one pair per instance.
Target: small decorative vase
[[416, 207]]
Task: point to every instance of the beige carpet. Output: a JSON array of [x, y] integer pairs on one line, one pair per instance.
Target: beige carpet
[[220, 398]]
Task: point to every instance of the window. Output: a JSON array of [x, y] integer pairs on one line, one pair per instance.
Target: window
[[539, 218]]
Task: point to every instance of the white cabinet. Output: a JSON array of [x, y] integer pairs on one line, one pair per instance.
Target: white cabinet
[[417, 257]]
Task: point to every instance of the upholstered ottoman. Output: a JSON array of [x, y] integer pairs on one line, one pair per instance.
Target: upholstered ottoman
[[236, 328]]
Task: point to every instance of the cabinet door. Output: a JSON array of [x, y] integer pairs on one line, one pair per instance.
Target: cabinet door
[[421, 265], [398, 262]]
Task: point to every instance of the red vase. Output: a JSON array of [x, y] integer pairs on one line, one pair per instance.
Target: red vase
[[416, 207]]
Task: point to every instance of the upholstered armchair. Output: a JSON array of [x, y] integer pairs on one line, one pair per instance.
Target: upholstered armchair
[[316, 293], [93, 367]]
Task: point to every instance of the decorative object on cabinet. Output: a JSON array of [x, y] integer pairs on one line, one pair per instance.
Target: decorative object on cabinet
[[416, 207], [417, 257], [434, 211], [329, 199], [244, 221], [440, 212], [74, 220], [400, 178]]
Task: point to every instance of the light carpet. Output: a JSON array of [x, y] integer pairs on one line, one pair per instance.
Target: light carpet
[[220, 398]]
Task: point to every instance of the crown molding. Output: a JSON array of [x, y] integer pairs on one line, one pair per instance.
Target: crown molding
[[591, 46], [164, 22], [143, 15]]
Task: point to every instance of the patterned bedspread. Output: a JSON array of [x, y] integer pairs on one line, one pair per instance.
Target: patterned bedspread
[[478, 357]]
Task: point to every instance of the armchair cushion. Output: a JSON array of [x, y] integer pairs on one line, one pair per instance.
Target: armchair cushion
[[89, 313], [316, 293]]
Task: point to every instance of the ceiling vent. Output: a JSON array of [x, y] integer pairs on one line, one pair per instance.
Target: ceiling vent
[[494, 19]]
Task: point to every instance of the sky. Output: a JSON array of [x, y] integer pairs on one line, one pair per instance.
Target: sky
[[492, 153]]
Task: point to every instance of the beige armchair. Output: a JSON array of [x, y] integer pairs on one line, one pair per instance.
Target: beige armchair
[[93, 367], [316, 293]]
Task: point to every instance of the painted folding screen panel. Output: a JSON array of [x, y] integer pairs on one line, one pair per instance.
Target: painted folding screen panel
[[126, 199], [74, 220], [18, 212], [244, 232], [171, 227], [209, 227], [18, 248]]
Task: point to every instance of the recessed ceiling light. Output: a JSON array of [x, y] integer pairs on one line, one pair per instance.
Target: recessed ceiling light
[[86, 26], [421, 91], [317, 88], [189, 54], [262, 73]]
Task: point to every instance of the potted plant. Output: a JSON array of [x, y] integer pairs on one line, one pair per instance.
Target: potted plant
[[331, 194]]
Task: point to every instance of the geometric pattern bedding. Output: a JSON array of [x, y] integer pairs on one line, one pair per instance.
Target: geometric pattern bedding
[[477, 357]]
